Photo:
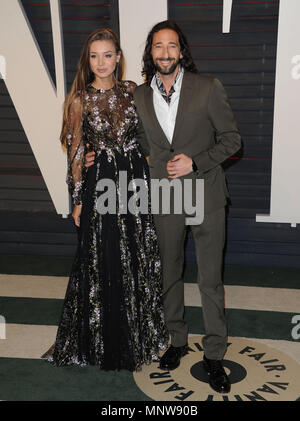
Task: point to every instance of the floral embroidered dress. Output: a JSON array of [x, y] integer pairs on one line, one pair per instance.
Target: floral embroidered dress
[[112, 313]]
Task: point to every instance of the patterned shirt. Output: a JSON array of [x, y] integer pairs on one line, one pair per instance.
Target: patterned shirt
[[166, 111], [160, 85]]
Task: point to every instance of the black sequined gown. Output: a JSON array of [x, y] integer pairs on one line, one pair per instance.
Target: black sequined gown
[[112, 313]]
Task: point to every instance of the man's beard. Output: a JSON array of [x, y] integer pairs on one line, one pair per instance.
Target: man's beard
[[170, 70]]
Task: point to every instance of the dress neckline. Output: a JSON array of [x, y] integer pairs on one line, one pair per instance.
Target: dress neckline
[[101, 90]]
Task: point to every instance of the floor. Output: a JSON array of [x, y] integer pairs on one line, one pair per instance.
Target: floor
[[262, 360]]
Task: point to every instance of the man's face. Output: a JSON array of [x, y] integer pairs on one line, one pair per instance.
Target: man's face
[[166, 51]]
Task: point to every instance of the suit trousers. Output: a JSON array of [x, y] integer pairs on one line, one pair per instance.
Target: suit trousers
[[209, 239]]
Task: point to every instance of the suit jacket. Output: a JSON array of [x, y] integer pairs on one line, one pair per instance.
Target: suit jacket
[[205, 130]]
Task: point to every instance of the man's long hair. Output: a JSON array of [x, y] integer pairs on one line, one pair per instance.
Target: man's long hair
[[148, 65]]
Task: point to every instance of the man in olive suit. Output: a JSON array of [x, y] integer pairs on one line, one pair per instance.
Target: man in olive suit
[[187, 129]]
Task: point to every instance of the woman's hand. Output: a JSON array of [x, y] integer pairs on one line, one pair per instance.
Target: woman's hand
[[76, 214], [89, 158]]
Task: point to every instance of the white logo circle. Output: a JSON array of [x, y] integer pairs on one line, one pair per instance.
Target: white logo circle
[[256, 371]]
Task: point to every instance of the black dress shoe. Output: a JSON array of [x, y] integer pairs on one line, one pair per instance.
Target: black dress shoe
[[218, 379], [171, 358]]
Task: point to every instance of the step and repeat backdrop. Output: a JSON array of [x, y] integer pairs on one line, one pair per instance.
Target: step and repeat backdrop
[[250, 46]]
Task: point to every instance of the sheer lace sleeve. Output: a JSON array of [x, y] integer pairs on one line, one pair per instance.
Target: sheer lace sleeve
[[75, 152]]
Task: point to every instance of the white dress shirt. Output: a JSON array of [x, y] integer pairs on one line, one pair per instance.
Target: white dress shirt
[[166, 113]]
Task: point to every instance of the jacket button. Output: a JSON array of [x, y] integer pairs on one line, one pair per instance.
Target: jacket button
[[171, 150]]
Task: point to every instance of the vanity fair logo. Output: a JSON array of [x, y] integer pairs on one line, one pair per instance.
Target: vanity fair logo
[[256, 371], [17, 35]]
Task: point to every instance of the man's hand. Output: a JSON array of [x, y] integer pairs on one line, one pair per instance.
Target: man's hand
[[180, 165], [89, 159], [76, 214]]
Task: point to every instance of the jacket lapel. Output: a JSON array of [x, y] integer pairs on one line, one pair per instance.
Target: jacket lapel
[[152, 116], [185, 97]]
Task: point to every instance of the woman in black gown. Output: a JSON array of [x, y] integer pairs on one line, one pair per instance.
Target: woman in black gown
[[112, 313]]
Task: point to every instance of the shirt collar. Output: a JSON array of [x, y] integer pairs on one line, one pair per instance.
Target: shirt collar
[[157, 82]]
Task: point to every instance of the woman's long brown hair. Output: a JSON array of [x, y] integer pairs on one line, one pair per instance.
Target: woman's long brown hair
[[84, 74]]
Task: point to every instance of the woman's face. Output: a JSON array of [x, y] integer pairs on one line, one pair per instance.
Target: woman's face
[[103, 59]]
